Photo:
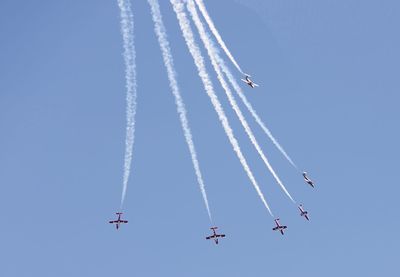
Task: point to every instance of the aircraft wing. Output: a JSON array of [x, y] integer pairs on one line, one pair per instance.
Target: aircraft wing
[[124, 221], [222, 236], [308, 179], [113, 221]]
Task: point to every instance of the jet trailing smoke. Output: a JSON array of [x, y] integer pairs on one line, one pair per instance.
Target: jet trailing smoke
[[199, 62], [252, 111], [161, 33], [233, 82], [127, 30], [212, 52]]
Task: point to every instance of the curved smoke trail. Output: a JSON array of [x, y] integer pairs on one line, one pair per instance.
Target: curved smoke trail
[[161, 33], [127, 30], [212, 52], [215, 32], [199, 62]]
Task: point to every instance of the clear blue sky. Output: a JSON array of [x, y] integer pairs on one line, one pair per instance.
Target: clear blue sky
[[329, 91]]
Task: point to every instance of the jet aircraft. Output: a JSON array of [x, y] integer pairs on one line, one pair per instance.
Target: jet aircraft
[[279, 227], [308, 181], [215, 236], [248, 81], [303, 212], [119, 221]]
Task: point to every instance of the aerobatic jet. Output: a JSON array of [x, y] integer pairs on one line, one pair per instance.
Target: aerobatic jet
[[215, 236], [118, 221], [279, 227], [303, 212], [249, 81], [308, 181]]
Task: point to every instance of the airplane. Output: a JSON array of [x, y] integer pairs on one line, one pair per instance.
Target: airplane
[[118, 221], [279, 227], [215, 236], [303, 212], [308, 181], [249, 81]]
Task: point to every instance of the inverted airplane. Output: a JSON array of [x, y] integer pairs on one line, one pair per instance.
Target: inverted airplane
[[248, 81], [308, 180], [215, 236], [279, 227], [119, 221], [303, 212]]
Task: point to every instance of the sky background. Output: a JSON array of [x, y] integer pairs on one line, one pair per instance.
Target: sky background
[[329, 91]]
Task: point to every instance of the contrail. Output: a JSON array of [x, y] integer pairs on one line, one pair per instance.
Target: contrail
[[215, 32], [199, 62], [212, 52], [252, 111], [161, 33], [127, 30]]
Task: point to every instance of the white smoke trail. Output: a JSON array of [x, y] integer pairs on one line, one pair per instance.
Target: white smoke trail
[[161, 33], [215, 32], [212, 52], [199, 62], [127, 30], [252, 111]]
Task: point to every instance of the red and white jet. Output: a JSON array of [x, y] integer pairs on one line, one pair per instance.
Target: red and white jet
[[308, 180], [279, 227], [303, 212], [249, 81], [215, 236], [118, 221]]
